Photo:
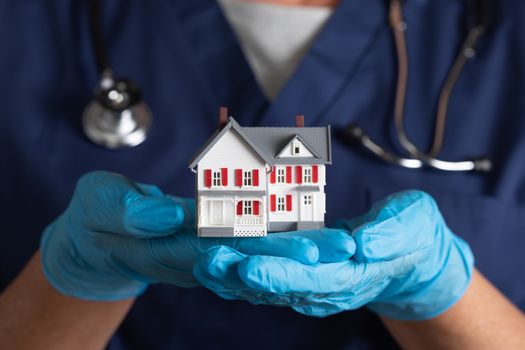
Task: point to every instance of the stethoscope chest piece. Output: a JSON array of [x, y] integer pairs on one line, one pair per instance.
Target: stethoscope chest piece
[[117, 117]]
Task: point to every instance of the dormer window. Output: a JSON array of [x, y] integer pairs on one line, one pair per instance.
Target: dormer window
[[296, 148]]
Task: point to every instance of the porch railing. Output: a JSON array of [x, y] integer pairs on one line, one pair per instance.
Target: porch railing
[[249, 220]]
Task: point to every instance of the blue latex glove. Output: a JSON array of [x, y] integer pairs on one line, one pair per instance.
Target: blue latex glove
[[116, 237], [408, 266]]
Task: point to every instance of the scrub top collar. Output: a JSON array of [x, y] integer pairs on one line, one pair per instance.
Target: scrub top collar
[[326, 68]]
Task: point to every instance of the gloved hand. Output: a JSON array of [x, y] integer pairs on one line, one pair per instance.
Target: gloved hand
[[408, 266], [116, 237]]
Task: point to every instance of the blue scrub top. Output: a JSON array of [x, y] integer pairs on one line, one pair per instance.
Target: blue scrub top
[[188, 62]]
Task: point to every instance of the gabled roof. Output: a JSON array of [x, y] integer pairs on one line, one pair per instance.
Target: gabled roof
[[305, 144], [272, 140], [232, 124], [268, 142]]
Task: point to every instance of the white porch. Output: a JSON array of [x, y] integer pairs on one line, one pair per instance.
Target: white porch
[[232, 216]]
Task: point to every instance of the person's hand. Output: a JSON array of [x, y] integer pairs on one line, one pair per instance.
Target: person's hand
[[408, 265], [116, 237]]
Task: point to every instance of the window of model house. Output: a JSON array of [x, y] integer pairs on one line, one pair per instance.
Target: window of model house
[[281, 204], [296, 147], [280, 175], [248, 207], [308, 199], [216, 178], [307, 175], [247, 178]]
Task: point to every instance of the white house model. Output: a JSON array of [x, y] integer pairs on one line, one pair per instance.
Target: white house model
[[254, 180]]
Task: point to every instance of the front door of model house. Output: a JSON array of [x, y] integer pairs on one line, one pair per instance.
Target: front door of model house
[[306, 207], [220, 213], [216, 212]]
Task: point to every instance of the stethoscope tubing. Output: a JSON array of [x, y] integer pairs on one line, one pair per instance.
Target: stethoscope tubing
[[419, 158]]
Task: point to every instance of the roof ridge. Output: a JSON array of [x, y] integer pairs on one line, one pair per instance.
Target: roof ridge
[[284, 127], [256, 137], [217, 135]]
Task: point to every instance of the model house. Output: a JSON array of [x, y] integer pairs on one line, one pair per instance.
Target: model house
[[254, 180]]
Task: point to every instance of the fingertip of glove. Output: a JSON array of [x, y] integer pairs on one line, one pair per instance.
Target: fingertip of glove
[[347, 244], [250, 272], [304, 250], [342, 246], [335, 245], [178, 216], [340, 234], [286, 245], [147, 216]]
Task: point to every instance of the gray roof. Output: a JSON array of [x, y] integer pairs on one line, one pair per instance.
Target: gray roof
[[268, 142]]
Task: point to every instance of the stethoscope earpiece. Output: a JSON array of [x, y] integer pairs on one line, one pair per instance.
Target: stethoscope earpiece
[[483, 165], [354, 132]]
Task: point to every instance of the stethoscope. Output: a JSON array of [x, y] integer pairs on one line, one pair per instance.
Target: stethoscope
[[419, 159], [118, 117]]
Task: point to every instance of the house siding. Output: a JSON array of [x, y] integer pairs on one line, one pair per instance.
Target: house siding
[[297, 191], [229, 154]]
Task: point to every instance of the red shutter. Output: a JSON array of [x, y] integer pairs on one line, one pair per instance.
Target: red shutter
[[255, 176], [239, 208], [288, 202], [224, 176], [272, 176], [299, 174], [255, 207], [207, 178], [288, 174], [238, 177], [315, 174], [272, 202]]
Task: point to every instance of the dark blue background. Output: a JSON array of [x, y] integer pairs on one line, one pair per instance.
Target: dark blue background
[[187, 60]]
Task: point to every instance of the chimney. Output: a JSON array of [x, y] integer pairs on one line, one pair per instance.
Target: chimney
[[223, 117], [299, 121]]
